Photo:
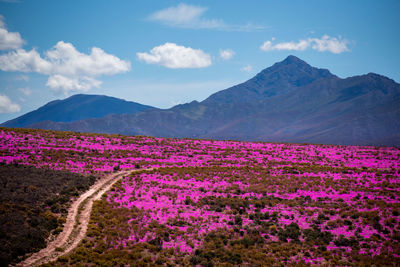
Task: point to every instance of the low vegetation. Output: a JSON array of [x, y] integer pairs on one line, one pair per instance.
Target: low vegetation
[[33, 205], [209, 202]]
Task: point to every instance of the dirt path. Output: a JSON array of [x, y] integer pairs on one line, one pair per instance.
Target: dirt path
[[77, 221]]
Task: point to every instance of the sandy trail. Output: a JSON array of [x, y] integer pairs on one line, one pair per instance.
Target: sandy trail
[[80, 211]]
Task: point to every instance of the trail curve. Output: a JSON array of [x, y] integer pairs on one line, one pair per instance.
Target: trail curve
[[77, 221]]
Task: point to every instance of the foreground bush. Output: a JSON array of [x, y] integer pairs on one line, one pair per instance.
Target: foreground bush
[[33, 203]]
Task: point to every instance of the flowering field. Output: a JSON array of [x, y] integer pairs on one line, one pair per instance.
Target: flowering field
[[227, 203]]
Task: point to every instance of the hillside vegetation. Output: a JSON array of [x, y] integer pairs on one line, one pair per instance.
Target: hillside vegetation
[[33, 204], [214, 203]]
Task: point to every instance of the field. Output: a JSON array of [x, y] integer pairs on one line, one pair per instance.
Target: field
[[226, 203]]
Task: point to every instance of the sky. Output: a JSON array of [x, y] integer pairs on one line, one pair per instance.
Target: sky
[[163, 53]]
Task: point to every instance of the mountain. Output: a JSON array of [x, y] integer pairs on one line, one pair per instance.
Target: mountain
[[281, 78], [290, 101], [77, 107]]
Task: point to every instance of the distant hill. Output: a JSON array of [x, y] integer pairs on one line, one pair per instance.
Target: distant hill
[[77, 107], [290, 101]]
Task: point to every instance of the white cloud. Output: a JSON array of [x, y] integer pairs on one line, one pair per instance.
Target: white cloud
[[69, 69], [247, 68], [60, 83], [26, 91], [192, 17], [24, 61], [7, 106], [186, 16], [299, 46], [66, 60], [331, 44], [179, 15], [325, 43], [226, 54], [175, 56], [9, 40]]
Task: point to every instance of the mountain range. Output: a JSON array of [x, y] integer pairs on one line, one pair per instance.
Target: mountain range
[[290, 101], [77, 107]]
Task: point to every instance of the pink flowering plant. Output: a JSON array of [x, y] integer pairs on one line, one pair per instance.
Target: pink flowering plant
[[210, 202]]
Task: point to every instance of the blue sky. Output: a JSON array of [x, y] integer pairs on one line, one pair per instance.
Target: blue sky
[[162, 53]]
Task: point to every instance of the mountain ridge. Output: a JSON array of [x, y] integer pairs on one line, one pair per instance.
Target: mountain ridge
[[290, 101], [77, 107], [281, 77]]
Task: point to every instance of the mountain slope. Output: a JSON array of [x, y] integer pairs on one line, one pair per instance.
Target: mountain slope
[[77, 107], [281, 78], [288, 102]]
